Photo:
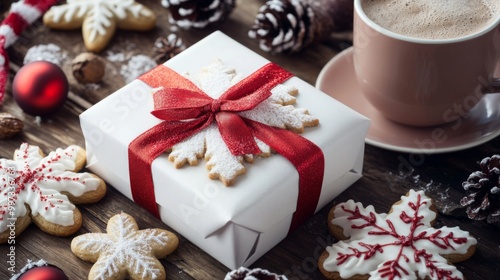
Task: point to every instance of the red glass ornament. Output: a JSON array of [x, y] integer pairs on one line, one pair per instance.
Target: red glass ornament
[[45, 272], [40, 88]]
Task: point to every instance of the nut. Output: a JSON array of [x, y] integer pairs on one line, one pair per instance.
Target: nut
[[9, 125], [88, 68]]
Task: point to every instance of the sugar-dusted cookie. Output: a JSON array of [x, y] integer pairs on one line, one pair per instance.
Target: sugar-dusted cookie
[[125, 252], [99, 19], [399, 245], [44, 190], [275, 111]]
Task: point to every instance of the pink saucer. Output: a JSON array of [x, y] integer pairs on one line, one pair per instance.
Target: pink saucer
[[479, 126]]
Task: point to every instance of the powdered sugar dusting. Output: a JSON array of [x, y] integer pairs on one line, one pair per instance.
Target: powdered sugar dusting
[[439, 192], [50, 52], [136, 66]]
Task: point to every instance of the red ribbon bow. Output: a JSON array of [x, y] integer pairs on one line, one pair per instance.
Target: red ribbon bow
[[186, 110]]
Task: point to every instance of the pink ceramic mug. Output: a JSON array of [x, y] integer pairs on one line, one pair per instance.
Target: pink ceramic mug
[[423, 82]]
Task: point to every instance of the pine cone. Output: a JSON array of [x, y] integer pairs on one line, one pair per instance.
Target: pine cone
[[284, 26], [483, 191], [243, 273], [166, 48], [197, 13]]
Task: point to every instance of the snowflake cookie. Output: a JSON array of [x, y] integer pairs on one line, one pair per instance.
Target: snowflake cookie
[[276, 111], [43, 190], [399, 245], [99, 19], [125, 252]]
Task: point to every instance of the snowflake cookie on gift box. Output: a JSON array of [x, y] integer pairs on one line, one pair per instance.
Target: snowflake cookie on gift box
[[399, 245], [44, 189], [216, 80], [125, 252]]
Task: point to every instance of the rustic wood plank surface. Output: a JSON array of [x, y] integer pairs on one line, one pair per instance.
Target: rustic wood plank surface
[[387, 175]]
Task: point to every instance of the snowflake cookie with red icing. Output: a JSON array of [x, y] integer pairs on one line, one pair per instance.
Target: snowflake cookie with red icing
[[125, 252], [44, 190], [276, 111], [399, 245]]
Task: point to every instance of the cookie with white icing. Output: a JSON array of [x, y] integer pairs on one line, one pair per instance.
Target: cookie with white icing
[[125, 252], [277, 111], [399, 245], [99, 19], [43, 189]]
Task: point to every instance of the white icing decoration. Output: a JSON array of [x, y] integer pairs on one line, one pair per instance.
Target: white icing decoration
[[360, 253], [37, 181], [100, 13], [275, 111], [123, 247]]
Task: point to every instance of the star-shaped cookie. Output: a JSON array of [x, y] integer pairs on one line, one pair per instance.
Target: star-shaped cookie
[[44, 189], [125, 252], [99, 19]]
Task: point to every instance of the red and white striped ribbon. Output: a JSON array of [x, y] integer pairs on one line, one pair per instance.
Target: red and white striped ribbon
[[21, 15]]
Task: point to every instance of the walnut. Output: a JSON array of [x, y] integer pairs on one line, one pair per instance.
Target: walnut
[[88, 68], [9, 125]]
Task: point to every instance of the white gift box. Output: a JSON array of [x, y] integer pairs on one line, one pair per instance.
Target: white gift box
[[238, 224]]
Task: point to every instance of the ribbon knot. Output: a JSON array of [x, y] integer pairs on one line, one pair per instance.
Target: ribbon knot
[[216, 106]]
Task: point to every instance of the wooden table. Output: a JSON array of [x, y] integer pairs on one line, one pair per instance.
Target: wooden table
[[387, 175]]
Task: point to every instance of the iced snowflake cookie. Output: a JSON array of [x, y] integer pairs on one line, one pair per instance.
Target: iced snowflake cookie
[[99, 19], [44, 190], [125, 252], [276, 111], [399, 245]]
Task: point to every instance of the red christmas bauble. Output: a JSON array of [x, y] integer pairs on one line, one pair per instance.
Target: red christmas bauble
[[45, 272], [40, 88]]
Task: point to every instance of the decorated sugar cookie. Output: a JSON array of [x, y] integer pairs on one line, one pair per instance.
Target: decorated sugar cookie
[[399, 245], [99, 19], [276, 111], [125, 252], [44, 189]]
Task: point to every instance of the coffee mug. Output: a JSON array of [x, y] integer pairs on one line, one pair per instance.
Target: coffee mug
[[423, 82]]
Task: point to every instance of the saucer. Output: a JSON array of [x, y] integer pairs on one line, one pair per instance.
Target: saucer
[[480, 125]]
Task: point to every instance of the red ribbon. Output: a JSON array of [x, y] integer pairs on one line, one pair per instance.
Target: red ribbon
[[186, 110]]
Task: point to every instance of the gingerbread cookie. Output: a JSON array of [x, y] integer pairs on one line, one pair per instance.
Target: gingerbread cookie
[[99, 19], [44, 190], [399, 245], [125, 252]]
